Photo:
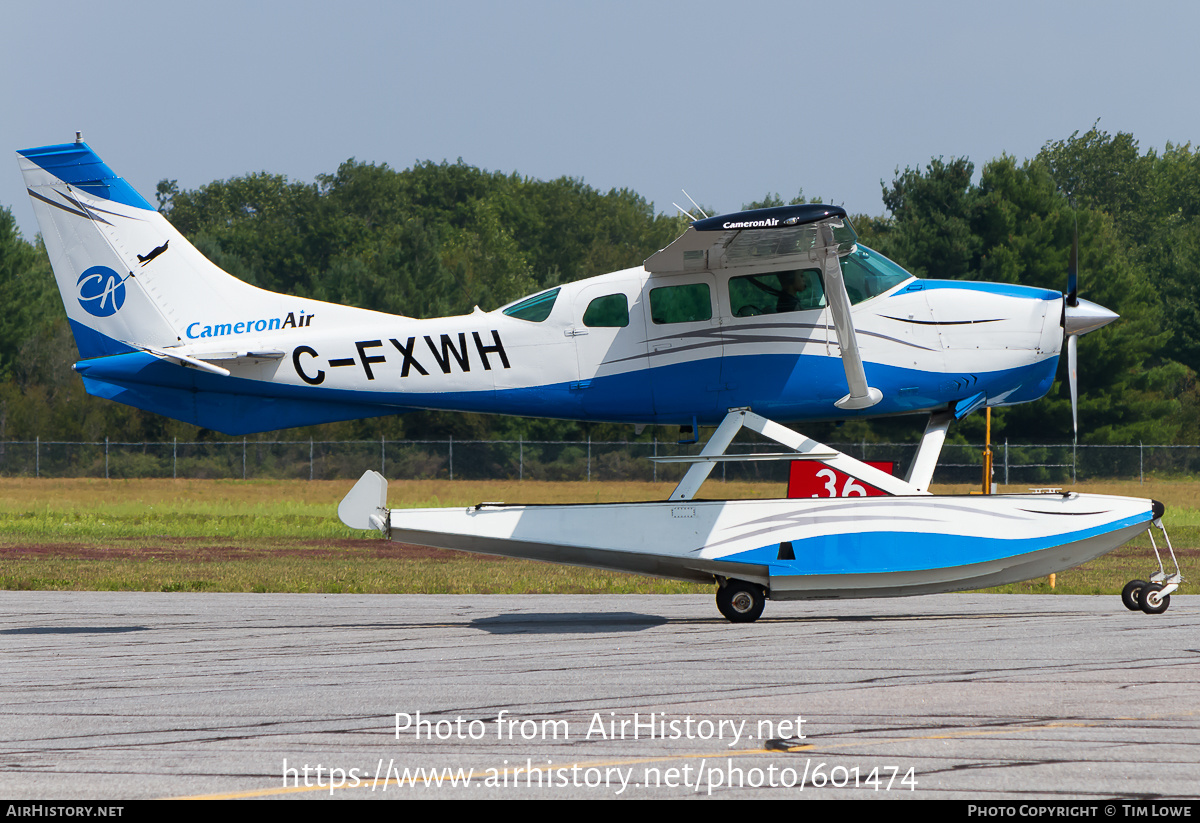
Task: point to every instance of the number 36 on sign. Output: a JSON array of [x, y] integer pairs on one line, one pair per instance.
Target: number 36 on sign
[[809, 478]]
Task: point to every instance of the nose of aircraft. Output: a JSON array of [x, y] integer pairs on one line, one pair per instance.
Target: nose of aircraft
[[1085, 316]]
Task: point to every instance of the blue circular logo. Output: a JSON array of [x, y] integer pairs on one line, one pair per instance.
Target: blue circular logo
[[101, 291]]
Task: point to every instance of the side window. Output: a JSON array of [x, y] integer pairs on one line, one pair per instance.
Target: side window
[[680, 304], [776, 293], [610, 311], [535, 309]]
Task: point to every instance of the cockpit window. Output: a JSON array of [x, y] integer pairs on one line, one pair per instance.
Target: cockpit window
[[534, 309], [865, 272], [776, 293]]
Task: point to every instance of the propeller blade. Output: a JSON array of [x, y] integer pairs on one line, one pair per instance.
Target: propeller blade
[[1073, 271], [1073, 380]]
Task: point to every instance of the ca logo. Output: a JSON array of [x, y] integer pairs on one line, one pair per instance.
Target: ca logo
[[101, 291]]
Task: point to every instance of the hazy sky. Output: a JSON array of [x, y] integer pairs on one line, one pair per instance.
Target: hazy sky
[[727, 100]]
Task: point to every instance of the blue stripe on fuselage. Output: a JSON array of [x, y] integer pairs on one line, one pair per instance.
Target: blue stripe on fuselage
[[1002, 289], [782, 386]]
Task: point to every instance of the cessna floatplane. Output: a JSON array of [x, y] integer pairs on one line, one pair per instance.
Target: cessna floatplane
[[747, 318]]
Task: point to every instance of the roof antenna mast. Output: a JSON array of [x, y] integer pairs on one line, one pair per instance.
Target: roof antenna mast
[[691, 216], [694, 203]]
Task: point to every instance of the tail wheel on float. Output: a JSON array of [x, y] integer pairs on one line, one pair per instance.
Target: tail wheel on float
[[741, 602], [1152, 600]]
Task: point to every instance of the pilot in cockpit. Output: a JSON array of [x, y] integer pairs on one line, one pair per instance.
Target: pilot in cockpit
[[796, 292]]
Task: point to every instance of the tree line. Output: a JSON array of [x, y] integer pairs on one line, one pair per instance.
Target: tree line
[[442, 238]]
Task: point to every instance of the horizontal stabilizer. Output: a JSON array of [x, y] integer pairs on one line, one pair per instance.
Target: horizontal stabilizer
[[199, 360]]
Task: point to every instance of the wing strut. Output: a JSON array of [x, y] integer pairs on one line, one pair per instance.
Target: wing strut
[[861, 395], [920, 473]]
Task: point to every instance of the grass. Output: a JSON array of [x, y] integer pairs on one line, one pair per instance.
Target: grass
[[284, 536]]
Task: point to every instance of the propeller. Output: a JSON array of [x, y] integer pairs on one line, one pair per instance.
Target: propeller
[[1072, 302], [1079, 317]]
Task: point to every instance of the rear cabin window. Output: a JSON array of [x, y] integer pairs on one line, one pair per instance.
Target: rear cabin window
[[680, 304], [535, 309], [610, 311]]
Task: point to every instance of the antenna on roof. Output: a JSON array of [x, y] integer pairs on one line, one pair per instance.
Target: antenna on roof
[[685, 211], [694, 203], [79, 139]]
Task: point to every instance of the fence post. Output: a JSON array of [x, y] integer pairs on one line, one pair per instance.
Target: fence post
[[1006, 461], [175, 458], [589, 465], [521, 470], [243, 458], [106, 457], [451, 442], [382, 454], [37, 457], [1141, 471], [655, 463], [310, 458]]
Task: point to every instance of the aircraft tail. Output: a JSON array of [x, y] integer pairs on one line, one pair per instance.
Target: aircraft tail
[[128, 279], [158, 325]]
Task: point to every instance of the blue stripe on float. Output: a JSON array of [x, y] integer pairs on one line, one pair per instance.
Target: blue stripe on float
[[878, 552]]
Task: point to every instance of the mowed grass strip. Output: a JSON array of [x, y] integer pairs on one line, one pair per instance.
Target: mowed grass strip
[[348, 574], [284, 536]]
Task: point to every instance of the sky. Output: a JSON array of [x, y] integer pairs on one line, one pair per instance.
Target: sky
[[730, 101]]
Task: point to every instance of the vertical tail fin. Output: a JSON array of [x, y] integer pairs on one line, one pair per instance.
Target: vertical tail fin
[[149, 311], [128, 279]]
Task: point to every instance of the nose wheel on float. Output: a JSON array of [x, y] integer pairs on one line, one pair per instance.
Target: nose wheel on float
[[1153, 596]]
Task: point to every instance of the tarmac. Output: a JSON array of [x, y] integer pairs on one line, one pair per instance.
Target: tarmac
[[120, 696]]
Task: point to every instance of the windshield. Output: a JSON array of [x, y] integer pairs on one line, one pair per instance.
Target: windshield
[[868, 273]]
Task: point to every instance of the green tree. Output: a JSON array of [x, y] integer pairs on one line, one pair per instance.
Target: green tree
[[1016, 226], [933, 212], [1101, 171], [773, 199], [1154, 202]]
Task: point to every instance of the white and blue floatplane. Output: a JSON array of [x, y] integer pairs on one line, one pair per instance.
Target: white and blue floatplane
[[777, 312]]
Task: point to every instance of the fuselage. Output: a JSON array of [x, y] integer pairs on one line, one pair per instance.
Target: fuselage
[[741, 311], [629, 347]]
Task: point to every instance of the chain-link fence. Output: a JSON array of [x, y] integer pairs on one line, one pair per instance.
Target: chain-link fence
[[1022, 464]]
